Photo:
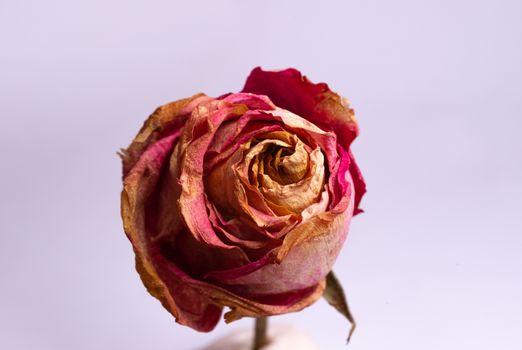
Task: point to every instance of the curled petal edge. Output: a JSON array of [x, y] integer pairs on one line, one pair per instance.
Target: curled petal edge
[[164, 119], [291, 90]]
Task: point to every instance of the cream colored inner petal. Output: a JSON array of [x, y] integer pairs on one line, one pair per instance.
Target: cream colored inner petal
[[298, 195], [288, 166], [273, 179], [285, 171], [318, 207], [228, 191]]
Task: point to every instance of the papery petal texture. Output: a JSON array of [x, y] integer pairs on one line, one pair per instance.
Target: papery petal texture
[[242, 201], [291, 90]]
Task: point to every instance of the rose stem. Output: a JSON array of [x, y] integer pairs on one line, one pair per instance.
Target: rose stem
[[260, 338]]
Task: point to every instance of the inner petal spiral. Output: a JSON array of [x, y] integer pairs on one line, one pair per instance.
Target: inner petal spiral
[[285, 171], [273, 181]]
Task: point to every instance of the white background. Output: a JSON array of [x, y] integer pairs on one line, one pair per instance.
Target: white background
[[434, 263]]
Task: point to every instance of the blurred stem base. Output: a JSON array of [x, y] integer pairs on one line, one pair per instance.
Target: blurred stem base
[[260, 333], [281, 337]]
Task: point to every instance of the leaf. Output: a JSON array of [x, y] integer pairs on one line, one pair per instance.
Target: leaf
[[334, 295]]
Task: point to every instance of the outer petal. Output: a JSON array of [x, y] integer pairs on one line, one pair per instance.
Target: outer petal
[[138, 187], [289, 89], [183, 286], [359, 184], [165, 118]]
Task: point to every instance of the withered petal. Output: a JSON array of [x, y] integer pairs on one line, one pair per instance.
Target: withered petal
[[165, 119], [214, 225], [138, 186], [334, 295], [291, 90]]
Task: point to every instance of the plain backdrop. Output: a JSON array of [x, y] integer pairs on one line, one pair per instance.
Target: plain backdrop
[[435, 262]]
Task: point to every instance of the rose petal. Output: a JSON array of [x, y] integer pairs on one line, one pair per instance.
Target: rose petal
[[297, 196], [359, 184], [165, 118], [138, 186], [180, 284], [290, 90]]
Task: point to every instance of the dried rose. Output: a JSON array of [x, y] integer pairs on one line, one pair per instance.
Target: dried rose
[[242, 201]]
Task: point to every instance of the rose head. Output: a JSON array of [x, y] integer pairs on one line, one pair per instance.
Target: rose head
[[242, 201]]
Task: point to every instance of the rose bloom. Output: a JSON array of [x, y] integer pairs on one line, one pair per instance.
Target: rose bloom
[[243, 200]]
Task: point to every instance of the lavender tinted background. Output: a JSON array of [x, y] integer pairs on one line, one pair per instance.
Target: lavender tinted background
[[434, 263]]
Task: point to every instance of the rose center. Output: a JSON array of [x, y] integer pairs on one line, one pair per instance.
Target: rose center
[[284, 164]]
